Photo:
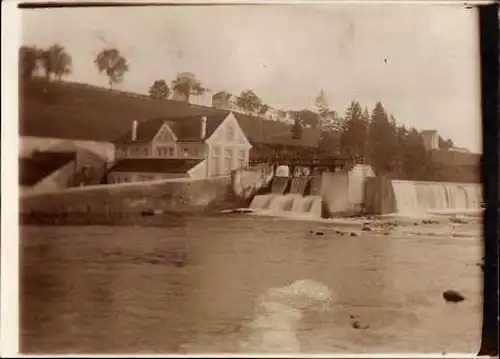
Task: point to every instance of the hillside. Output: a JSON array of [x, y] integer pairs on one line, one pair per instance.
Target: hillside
[[84, 112]]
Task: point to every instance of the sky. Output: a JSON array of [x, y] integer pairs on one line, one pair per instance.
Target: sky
[[421, 62]]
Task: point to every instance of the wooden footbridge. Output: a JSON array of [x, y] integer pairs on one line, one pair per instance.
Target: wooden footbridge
[[320, 162]]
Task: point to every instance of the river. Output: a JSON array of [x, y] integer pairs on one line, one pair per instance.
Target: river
[[191, 287]]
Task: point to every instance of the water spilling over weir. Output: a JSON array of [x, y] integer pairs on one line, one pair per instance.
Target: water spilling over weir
[[288, 203], [358, 191], [424, 197], [412, 198]]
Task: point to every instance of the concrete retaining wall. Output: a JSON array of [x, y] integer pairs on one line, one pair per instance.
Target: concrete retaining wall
[[379, 196], [111, 203], [298, 185], [334, 191], [279, 185]]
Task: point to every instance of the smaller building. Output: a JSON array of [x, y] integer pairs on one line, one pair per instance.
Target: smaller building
[[209, 144], [431, 139]]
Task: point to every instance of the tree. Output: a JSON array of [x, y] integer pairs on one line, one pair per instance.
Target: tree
[[327, 119], [321, 103], [28, 61], [187, 84], [354, 133], [113, 64], [159, 90], [296, 130], [56, 62], [382, 145], [263, 109], [249, 101]]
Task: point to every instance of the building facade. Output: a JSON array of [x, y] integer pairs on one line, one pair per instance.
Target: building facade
[[200, 146]]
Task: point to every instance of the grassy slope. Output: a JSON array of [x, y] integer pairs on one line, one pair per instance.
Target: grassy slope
[[78, 111]]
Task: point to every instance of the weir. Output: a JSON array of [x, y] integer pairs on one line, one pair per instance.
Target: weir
[[423, 197], [310, 206], [288, 197], [358, 191], [410, 198]]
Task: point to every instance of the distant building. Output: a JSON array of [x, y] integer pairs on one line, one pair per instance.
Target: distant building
[[459, 149], [431, 139], [196, 146]]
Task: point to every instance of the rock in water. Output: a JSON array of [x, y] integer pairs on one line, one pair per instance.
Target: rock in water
[[453, 296], [357, 325]]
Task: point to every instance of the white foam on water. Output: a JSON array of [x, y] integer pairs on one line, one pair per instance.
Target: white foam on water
[[273, 328], [289, 205]]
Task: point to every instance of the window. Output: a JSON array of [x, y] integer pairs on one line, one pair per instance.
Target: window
[[165, 151], [216, 151], [228, 160], [215, 161], [161, 151], [230, 133], [241, 158]]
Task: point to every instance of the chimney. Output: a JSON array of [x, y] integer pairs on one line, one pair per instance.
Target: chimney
[[203, 127], [134, 130]]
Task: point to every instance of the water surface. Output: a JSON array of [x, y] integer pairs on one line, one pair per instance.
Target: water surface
[[191, 287]]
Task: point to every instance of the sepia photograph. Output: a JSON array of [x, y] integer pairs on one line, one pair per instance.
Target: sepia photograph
[[267, 179]]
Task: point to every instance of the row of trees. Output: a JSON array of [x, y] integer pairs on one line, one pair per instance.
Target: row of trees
[[391, 149], [56, 62]]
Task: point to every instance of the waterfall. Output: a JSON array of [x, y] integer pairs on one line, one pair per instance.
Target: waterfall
[[424, 197], [261, 201], [289, 204]]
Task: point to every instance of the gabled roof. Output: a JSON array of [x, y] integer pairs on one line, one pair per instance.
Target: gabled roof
[[260, 130], [155, 165], [34, 169], [185, 128]]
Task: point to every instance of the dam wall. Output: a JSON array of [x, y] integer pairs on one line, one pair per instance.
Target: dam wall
[[344, 192], [118, 203], [384, 196]]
